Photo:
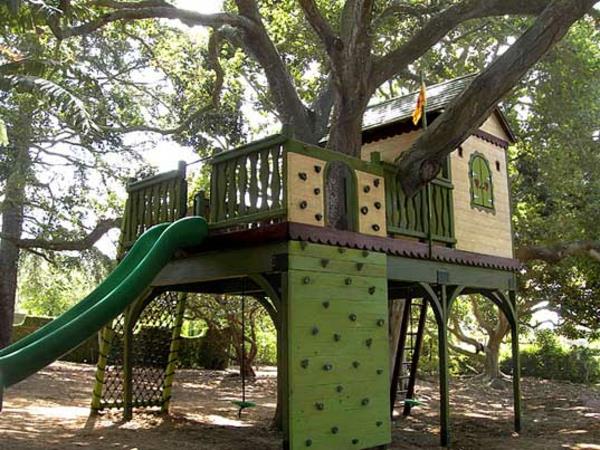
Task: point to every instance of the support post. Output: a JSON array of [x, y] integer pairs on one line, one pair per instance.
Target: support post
[[443, 369], [105, 336], [128, 365], [173, 355], [399, 353], [516, 364]]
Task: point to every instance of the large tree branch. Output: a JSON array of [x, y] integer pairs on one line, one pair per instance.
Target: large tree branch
[[557, 252], [85, 243], [333, 44], [440, 25], [128, 11], [467, 112]]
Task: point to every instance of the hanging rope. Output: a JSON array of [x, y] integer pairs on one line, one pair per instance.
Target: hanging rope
[[243, 404]]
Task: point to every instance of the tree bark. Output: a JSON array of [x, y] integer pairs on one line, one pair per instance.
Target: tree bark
[[12, 225]]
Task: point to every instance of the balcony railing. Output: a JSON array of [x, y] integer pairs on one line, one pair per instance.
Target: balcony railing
[[249, 188], [153, 200], [248, 184], [410, 216]]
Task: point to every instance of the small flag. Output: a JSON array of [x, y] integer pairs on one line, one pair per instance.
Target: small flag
[[3, 134], [421, 102]]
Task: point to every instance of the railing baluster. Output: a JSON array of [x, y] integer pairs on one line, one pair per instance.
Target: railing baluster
[[264, 180], [276, 179], [242, 184]]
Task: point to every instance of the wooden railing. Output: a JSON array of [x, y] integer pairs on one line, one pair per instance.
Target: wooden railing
[[411, 216], [248, 185], [153, 200]]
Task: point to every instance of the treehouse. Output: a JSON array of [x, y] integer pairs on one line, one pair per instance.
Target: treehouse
[[349, 299]]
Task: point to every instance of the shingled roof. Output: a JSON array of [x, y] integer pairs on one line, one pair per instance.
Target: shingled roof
[[400, 108]]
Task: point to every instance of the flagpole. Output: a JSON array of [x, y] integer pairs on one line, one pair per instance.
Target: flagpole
[[428, 185]]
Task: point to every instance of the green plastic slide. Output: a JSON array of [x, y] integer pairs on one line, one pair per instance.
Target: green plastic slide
[[132, 277]]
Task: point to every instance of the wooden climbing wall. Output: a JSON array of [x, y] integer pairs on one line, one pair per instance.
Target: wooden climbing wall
[[338, 350]]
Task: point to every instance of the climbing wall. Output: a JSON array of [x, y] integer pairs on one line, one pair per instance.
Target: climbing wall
[[338, 350], [371, 204], [305, 189]]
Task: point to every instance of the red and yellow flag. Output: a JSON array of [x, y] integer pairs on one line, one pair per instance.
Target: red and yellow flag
[[421, 102]]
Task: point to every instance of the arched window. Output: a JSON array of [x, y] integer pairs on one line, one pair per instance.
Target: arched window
[[480, 176]]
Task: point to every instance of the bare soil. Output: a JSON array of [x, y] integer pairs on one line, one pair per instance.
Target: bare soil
[[51, 411]]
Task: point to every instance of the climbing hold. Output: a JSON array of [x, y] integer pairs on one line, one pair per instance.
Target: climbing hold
[[335, 430], [317, 191], [308, 442], [365, 253], [359, 266], [379, 371], [352, 317], [380, 322], [314, 331], [372, 290], [364, 210], [320, 406], [337, 337], [355, 441], [328, 367], [348, 281], [339, 388], [304, 363], [366, 189], [302, 176], [355, 364], [303, 204], [318, 169], [324, 262], [379, 423], [369, 342], [303, 245], [377, 205], [325, 304], [341, 249], [318, 217], [376, 182], [305, 280], [365, 401], [375, 227]]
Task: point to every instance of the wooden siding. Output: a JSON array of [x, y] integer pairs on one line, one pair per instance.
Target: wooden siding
[[371, 217], [304, 190], [475, 230], [479, 230]]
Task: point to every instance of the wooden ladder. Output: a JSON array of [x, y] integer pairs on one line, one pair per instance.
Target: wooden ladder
[[412, 329]]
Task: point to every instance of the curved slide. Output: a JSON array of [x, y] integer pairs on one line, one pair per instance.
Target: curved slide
[[151, 252]]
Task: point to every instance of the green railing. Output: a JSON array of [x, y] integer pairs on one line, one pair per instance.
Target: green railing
[[410, 216], [247, 184], [153, 200]]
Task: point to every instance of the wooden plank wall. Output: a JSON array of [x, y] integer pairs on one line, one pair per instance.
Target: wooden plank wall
[[475, 230], [338, 349]]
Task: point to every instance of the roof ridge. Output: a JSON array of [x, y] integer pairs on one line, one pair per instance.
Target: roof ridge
[[394, 99]]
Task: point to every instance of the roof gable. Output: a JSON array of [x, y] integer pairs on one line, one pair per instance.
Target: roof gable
[[440, 95]]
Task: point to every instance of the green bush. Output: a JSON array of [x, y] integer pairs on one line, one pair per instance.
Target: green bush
[[548, 359]]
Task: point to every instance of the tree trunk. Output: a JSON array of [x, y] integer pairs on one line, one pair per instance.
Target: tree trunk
[[492, 357], [492, 348], [12, 227]]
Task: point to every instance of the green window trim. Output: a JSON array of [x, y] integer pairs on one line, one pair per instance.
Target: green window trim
[[481, 182]]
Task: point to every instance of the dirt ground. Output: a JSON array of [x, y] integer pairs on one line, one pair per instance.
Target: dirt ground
[[51, 411]]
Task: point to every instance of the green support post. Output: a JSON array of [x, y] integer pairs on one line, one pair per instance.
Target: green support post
[[106, 336], [443, 368], [173, 354], [516, 364], [128, 366]]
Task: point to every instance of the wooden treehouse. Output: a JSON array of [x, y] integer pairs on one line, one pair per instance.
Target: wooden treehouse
[[343, 300]]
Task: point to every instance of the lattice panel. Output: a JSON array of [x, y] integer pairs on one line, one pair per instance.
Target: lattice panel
[[150, 352], [152, 335], [112, 389]]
